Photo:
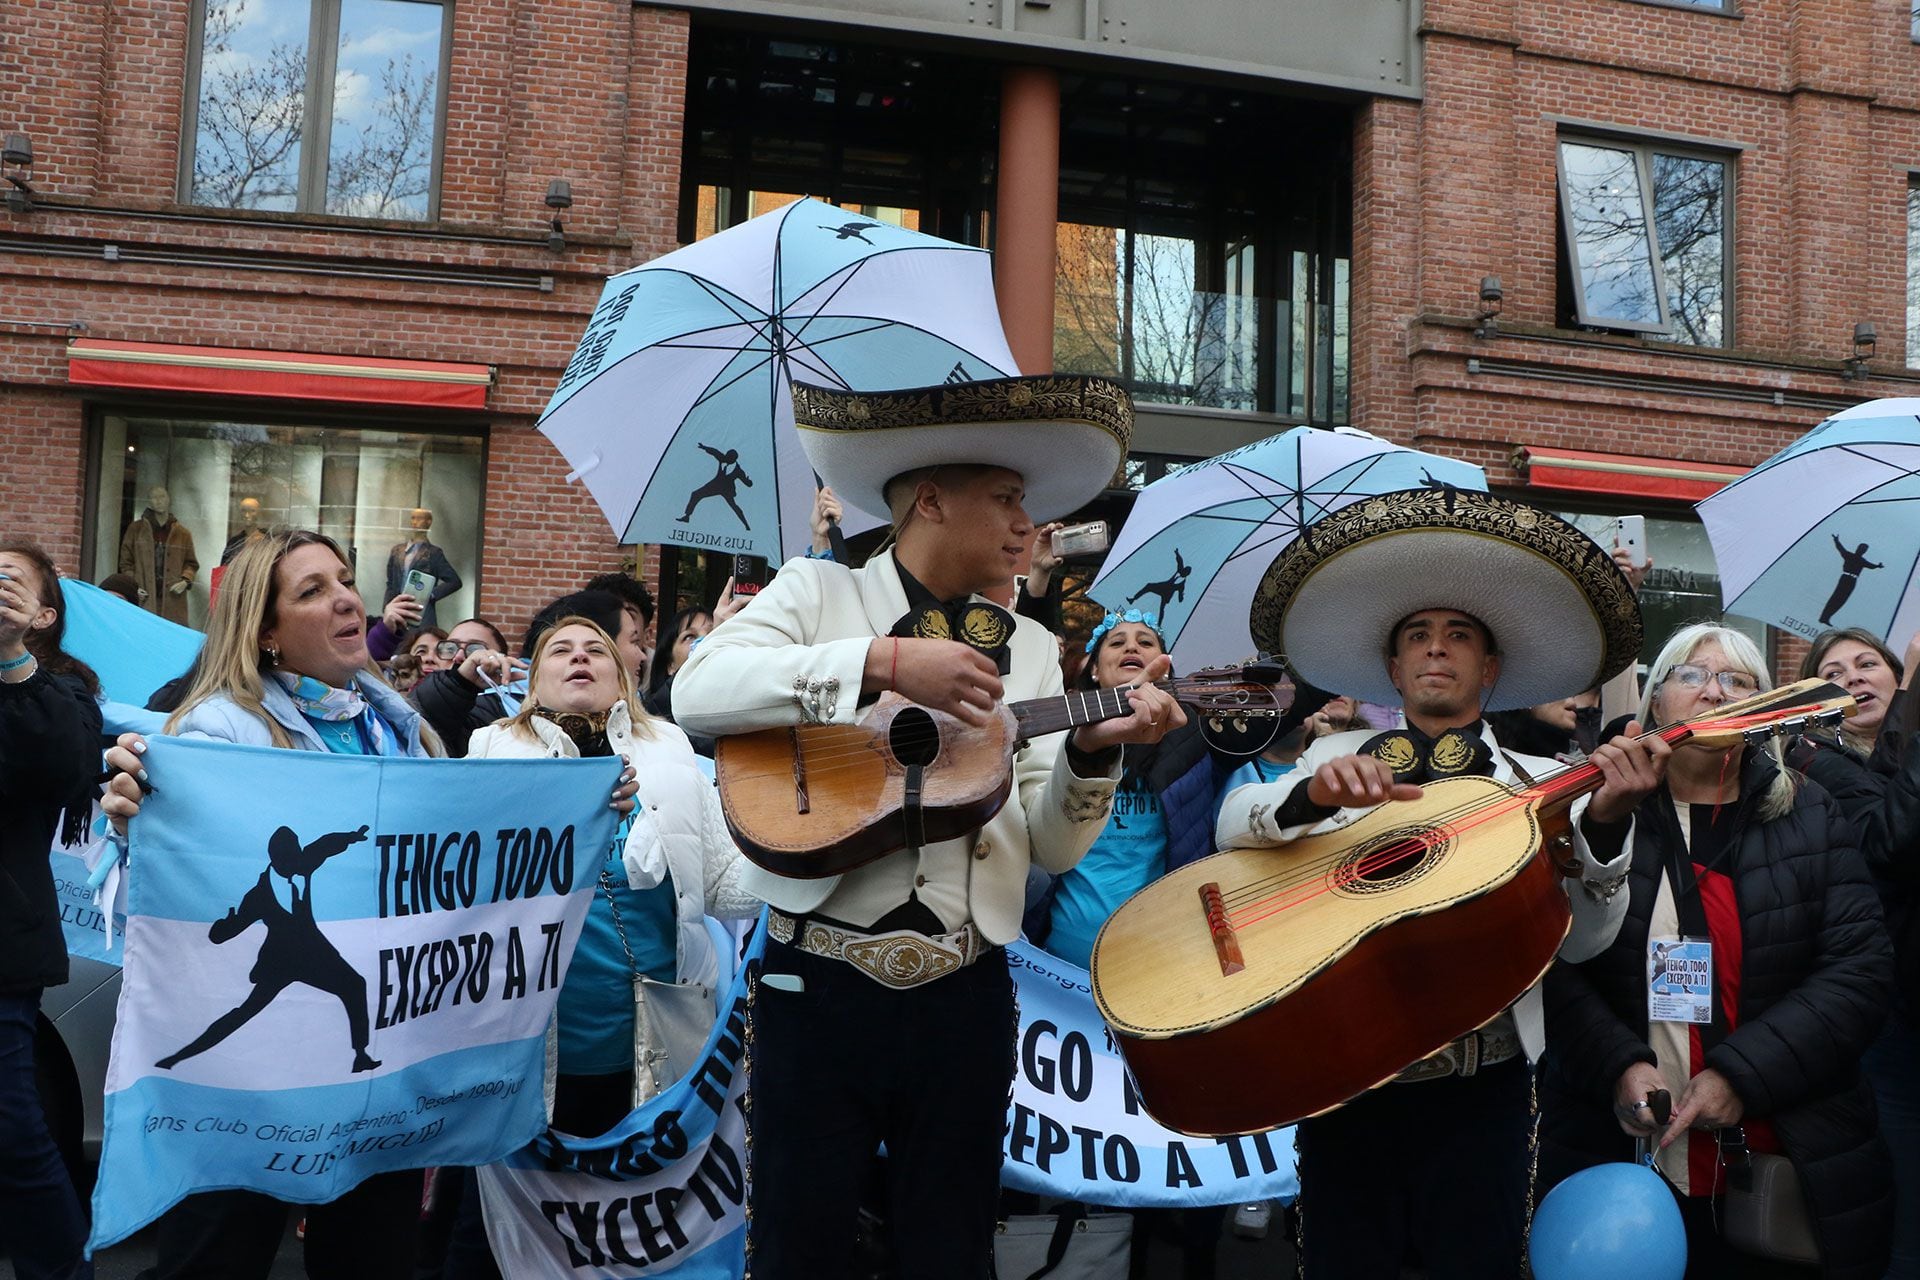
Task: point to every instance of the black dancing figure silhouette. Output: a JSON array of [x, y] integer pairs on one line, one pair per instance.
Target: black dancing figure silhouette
[[851, 231], [1851, 563], [294, 949], [1169, 589], [724, 485], [1450, 493]]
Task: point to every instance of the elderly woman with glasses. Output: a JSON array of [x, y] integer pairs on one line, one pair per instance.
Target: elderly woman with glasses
[[1746, 864]]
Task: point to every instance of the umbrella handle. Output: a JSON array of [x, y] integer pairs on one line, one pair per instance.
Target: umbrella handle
[[837, 543]]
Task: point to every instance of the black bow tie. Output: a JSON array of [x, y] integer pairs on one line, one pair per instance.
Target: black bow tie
[[1415, 757], [983, 626]]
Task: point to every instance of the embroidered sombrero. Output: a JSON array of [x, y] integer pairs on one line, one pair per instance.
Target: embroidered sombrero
[[1064, 434], [1563, 616]]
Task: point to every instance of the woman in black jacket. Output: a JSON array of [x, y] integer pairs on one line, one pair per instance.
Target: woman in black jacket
[[49, 769], [1735, 849]]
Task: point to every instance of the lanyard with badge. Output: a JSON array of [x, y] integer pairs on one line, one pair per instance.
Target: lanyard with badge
[[1680, 969]]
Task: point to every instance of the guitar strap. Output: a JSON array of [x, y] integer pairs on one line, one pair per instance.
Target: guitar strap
[[910, 811]]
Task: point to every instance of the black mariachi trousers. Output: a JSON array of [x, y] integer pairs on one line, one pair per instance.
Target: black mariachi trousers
[[847, 1064], [1434, 1168]]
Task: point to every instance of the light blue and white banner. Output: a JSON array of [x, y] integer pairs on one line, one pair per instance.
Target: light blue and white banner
[[337, 966], [132, 651], [1077, 1130], [665, 1191]]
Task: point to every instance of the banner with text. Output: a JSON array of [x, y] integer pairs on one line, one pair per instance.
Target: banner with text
[[337, 966], [1077, 1130], [664, 1191]]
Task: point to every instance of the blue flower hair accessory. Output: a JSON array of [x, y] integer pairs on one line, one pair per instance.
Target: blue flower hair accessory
[[1145, 617]]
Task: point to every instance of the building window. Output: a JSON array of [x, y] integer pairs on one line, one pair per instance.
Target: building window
[[317, 106], [175, 497], [1194, 278], [1646, 239], [1186, 273], [1913, 275]]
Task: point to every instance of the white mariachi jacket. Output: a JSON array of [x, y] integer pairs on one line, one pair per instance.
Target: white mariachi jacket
[[1246, 821], [796, 655]]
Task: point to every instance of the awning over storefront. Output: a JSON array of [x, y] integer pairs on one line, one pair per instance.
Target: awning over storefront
[[278, 375], [1624, 474]]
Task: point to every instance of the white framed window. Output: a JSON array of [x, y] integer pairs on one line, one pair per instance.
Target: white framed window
[[316, 106], [1647, 237]]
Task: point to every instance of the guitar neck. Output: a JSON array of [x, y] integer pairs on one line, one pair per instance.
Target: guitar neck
[[1040, 716], [1559, 790]]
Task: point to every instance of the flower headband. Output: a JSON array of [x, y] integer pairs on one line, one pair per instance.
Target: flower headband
[[1148, 618]]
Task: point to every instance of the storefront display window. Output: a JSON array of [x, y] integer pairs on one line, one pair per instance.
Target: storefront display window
[[176, 496], [1684, 585]]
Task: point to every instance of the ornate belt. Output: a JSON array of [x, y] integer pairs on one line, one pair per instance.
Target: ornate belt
[[1483, 1048], [899, 959]]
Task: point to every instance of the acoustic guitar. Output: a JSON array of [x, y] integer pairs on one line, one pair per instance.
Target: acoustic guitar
[[1257, 987], [818, 800]]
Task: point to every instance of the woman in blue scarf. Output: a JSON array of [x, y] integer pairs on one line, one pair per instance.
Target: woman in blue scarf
[[285, 665]]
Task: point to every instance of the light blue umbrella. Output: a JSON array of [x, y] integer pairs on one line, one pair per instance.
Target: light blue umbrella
[[1826, 533], [676, 409], [1199, 539]]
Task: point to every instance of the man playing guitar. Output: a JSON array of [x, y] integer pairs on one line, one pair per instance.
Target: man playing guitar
[[1475, 604], [884, 1011]]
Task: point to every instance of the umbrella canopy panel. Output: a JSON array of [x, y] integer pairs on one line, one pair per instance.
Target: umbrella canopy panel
[[1826, 533], [676, 408], [1199, 539]]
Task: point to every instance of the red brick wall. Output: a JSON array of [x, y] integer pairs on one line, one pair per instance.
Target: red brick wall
[[1819, 102], [577, 89]]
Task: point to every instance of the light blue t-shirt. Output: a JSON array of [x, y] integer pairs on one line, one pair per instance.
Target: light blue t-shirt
[[1130, 854], [596, 1003]]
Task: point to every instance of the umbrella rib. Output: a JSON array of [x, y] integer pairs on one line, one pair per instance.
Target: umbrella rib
[[820, 367], [715, 387], [764, 323], [798, 332]]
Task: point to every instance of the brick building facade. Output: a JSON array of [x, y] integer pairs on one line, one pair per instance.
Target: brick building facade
[[1810, 111]]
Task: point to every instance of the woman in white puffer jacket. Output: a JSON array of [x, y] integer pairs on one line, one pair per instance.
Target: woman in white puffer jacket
[[671, 864]]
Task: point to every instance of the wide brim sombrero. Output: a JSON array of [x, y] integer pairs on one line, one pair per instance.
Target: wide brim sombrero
[[1065, 435], [1563, 616]]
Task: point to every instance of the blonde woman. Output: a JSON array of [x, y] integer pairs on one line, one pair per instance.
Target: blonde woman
[[285, 664], [667, 868], [1738, 853]]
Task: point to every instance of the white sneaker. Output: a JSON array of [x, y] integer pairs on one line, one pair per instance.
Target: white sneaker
[[1250, 1221]]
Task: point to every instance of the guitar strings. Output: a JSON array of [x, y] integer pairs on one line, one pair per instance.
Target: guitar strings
[[1465, 817]]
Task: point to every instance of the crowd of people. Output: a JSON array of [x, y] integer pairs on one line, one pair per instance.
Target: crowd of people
[[1794, 861]]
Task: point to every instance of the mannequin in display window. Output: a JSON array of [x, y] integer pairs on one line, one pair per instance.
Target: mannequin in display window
[[248, 531], [158, 551], [417, 552]]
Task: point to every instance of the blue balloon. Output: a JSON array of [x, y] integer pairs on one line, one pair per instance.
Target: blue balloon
[[1608, 1222]]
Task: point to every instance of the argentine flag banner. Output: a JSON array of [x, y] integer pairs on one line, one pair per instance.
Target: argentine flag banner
[[338, 966], [664, 1191]]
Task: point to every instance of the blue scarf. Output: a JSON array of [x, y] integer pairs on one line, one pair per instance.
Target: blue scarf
[[328, 705]]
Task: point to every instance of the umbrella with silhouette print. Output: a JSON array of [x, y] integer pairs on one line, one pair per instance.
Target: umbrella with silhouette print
[[675, 409]]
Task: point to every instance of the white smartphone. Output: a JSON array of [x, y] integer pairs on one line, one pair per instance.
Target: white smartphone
[[1631, 533], [420, 585]]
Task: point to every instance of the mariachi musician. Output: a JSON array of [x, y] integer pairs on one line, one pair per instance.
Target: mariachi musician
[[1451, 604], [884, 1012]]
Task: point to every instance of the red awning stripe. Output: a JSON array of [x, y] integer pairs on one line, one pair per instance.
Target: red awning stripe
[[1624, 474], [296, 375]]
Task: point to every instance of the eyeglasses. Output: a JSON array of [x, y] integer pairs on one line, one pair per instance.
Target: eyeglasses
[[1688, 676], [454, 649]]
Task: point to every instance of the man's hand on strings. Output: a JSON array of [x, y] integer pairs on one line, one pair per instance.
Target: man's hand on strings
[[1355, 782], [1155, 714], [943, 675]]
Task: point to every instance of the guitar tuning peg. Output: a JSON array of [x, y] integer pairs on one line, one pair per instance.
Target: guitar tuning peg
[[1216, 724], [1758, 736]]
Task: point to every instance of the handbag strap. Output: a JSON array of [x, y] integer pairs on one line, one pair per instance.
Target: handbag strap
[[1066, 1220]]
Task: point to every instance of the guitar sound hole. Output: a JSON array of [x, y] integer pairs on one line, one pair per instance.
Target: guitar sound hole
[[913, 737], [1391, 862], [1391, 859]]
